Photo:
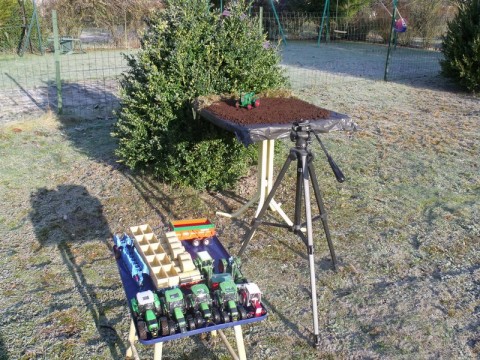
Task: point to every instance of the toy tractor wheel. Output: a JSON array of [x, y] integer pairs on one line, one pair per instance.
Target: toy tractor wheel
[[196, 242], [116, 252], [216, 316], [199, 321], [242, 313], [206, 241], [257, 103], [249, 106], [164, 328], [142, 330], [172, 328], [225, 317], [191, 323]]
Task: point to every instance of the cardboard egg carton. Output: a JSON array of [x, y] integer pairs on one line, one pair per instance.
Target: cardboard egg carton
[[169, 263], [162, 270]]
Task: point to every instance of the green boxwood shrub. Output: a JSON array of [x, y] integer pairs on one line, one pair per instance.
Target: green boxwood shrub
[[191, 50], [461, 46]]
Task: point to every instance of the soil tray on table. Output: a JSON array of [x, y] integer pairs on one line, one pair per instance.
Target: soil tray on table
[[274, 118]]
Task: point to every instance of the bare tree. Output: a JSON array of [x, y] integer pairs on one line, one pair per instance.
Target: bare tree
[[114, 15], [120, 15]]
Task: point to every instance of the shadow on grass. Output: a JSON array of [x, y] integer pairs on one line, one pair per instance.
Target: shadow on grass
[[232, 196], [88, 121], [152, 194], [90, 99], [291, 325], [42, 105], [65, 218], [87, 118], [3, 350]]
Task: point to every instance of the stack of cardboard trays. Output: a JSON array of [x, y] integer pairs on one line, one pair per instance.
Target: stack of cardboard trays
[[168, 261]]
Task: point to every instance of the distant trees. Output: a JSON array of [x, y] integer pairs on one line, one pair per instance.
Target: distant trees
[[345, 7], [9, 10], [74, 15], [461, 46], [8, 19], [14, 17]]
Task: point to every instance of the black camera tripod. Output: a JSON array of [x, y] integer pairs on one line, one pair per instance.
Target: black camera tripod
[[301, 135]]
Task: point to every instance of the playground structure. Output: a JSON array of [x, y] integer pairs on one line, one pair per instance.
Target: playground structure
[[326, 22], [274, 11], [27, 28], [398, 25]]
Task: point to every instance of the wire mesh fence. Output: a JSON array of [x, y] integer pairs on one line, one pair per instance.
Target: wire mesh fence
[[352, 49], [91, 63], [90, 68]]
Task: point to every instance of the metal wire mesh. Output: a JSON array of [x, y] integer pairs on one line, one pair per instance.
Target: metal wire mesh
[[92, 63]]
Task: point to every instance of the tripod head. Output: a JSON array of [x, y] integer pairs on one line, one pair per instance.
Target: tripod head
[[300, 134]]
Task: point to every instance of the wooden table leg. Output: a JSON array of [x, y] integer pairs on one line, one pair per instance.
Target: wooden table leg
[[261, 174], [132, 351], [158, 347], [242, 355], [131, 340], [227, 344], [266, 153], [157, 352]]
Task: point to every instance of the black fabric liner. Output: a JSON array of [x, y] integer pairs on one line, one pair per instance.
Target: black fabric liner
[[249, 134]]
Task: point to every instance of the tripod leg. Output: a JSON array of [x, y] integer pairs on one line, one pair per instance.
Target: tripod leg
[[297, 227], [257, 221], [311, 259], [323, 213]]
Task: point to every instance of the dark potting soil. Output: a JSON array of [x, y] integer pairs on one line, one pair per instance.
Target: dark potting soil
[[270, 111]]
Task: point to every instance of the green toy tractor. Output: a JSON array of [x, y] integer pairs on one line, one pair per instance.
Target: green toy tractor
[[200, 304], [146, 307], [226, 298], [248, 100], [204, 263], [232, 266], [173, 308]]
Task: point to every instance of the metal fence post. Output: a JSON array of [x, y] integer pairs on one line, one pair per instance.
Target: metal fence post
[[56, 44], [387, 63], [38, 28], [260, 20], [326, 15], [278, 22]]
